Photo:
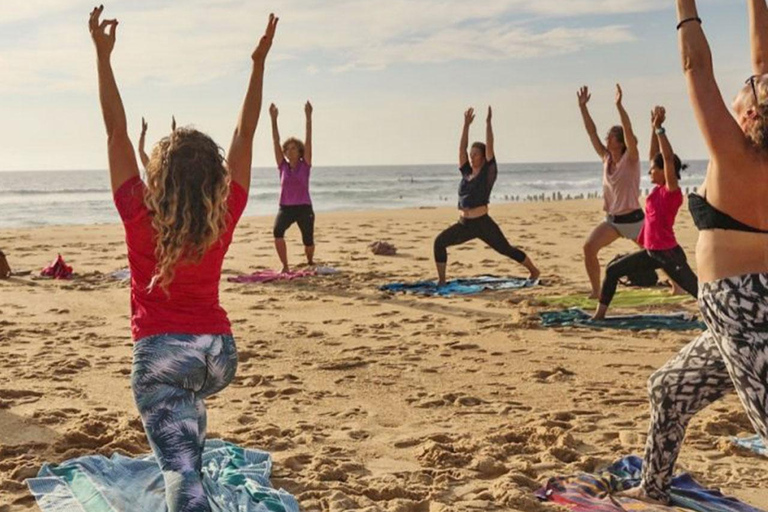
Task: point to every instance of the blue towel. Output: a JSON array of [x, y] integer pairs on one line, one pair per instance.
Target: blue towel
[[754, 443], [235, 479], [575, 316], [460, 286]]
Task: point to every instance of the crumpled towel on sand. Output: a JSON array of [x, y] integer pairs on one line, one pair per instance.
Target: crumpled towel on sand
[[752, 443], [578, 317], [235, 479], [596, 492], [460, 286], [382, 248], [57, 269]]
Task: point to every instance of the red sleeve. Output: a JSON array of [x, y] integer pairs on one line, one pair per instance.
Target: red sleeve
[[238, 198], [129, 199]]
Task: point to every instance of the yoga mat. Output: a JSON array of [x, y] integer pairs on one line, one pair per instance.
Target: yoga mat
[[578, 317], [622, 299], [469, 286], [235, 479], [597, 492]]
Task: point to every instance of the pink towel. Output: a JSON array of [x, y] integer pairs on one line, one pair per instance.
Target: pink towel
[[265, 276]]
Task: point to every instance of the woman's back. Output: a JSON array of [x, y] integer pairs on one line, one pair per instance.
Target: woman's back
[[191, 303]]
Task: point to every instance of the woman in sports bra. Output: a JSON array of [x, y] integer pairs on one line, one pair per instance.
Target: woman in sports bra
[[731, 213], [621, 186], [657, 237], [478, 175]]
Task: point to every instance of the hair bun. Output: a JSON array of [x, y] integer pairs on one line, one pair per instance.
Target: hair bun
[[683, 167]]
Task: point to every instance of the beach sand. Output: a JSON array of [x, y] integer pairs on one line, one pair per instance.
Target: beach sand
[[366, 401]]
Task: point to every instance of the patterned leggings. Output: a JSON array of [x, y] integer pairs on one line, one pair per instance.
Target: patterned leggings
[[731, 355], [172, 374]]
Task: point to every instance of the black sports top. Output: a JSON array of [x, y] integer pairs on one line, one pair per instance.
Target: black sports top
[[706, 216], [476, 191]]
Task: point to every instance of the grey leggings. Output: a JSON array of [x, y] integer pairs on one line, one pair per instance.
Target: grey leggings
[[172, 374], [731, 355]]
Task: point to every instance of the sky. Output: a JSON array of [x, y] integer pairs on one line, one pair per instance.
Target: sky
[[389, 79]]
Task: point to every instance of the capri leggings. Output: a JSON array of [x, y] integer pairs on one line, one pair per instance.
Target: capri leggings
[[172, 375], [672, 261], [303, 215], [483, 228], [732, 355]]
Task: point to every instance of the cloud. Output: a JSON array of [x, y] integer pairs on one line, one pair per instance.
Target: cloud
[[170, 44]]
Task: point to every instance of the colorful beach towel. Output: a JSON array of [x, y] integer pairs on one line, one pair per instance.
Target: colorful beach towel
[[596, 493], [622, 299], [266, 276], [460, 286], [578, 317], [753, 443], [235, 479], [57, 269]]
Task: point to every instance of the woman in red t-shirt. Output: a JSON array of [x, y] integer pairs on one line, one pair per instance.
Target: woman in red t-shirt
[[657, 236], [178, 228]]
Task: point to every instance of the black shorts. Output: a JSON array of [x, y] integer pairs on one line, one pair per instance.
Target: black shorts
[[301, 214]]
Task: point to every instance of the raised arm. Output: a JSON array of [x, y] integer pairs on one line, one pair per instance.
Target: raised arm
[[758, 30], [722, 133], [278, 148], [122, 159], [240, 155], [489, 152], [629, 135], [142, 140], [308, 138], [670, 175], [584, 97], [469, 116], [654, 141]]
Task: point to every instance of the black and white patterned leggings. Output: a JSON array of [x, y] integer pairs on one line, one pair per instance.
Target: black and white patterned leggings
[[731, 355]]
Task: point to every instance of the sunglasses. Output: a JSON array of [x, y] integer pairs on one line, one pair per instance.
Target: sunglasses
[[752, 81]]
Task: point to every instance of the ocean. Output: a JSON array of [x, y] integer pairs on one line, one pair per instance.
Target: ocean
[[39, 198]]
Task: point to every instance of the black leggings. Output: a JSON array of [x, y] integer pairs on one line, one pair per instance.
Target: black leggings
[[483, 228], [672, 261], [301, 214]]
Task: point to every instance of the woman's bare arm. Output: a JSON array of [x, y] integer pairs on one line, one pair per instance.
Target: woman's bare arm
[[122, 159]]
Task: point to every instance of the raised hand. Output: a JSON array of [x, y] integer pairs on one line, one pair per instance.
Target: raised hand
[[143, 127], [173, 123], [308, 109], [265, 43], [273, 111], [103, 40], [469, 116], [490, 115], [584, 96], [658, 116], [619, 94]]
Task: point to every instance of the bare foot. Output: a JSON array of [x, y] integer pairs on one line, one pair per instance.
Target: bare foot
[[676, 290], [638, 493], [534, 276], [594, 296], [440, 283], [285, 270]]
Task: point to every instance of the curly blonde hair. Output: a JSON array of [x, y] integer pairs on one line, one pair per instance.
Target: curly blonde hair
[[187, 192], [758, 129]]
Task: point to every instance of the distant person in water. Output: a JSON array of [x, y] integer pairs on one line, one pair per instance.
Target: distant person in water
[[294, 163], [660, 247], [621, 186], [143, 139], [478, 175]]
